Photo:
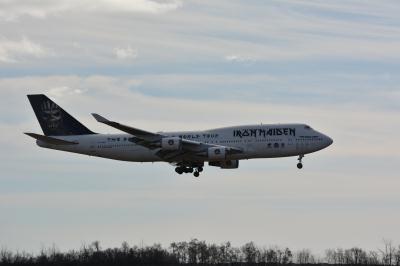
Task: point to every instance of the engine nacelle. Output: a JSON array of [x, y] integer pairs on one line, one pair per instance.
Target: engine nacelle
[[171, 144], [216, 153], [231, 164]]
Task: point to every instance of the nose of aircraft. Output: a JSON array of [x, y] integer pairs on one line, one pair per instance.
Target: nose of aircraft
[[329, 140]]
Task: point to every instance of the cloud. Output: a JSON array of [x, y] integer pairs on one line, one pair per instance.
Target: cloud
[[63, 90], [145, 6], [13, 10], [201, 37], [239, 58], [13, 51], [125, 53]]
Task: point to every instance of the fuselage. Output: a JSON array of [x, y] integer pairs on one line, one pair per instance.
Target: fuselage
[[256, 141]]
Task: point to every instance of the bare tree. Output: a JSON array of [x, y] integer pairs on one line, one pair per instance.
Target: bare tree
[[180, 250], [224, 252], [330, 256], [355, 256], [96, 245], [125, 247], [373, 258], [6, 256], [335, 256], [397, 256], [272, 256], [214, 254], [203, 252], [340, 256], [235, 255], [250, 252], [304, 256], [287, 256], [193, 251], [262, 255], [388, 252]]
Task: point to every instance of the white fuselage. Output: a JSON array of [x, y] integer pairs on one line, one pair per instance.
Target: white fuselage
[[256, 141]]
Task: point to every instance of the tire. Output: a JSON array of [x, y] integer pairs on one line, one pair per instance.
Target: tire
[[179, 170]]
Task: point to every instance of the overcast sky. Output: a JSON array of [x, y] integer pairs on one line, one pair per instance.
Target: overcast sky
[[171, 65]]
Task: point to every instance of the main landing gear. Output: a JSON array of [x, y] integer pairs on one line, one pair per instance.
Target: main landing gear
[[300, 164], [184, 169]]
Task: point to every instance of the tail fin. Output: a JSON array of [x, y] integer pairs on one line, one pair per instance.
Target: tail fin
[[53, 119]]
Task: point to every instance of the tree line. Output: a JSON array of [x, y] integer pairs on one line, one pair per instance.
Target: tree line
[[196, 252]]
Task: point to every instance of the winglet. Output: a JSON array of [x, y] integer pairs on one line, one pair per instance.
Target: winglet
[[99, 118]]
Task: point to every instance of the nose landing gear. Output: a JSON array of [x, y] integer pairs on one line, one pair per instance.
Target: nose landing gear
[[300, 164], [197, 171]]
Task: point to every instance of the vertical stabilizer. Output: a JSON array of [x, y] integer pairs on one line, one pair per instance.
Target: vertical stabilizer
[[53, 120]]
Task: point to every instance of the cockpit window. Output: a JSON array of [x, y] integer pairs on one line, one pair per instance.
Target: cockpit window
[[307, 127]]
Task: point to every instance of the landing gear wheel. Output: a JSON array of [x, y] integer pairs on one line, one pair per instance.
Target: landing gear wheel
[[179, 170], [196, 174], [300, 164]]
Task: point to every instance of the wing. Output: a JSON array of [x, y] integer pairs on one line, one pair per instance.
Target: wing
[[130, 130], [141, 137], [190, 151]]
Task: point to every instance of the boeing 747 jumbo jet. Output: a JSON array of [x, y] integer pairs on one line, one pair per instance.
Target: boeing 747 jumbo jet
[[187, 151]]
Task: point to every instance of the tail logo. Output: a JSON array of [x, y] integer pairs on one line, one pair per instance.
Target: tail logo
[[51, 114]]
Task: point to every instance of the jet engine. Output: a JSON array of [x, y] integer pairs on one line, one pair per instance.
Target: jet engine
[[171, 144], [216, 153], [231, 164]]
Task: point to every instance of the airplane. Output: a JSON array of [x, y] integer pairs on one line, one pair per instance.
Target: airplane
[[187, 151]]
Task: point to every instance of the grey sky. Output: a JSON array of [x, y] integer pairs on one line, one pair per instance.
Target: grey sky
[[170, 65]]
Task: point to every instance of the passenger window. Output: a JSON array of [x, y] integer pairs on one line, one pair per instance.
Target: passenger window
[[282, 145], [276, 145], [269, 145]]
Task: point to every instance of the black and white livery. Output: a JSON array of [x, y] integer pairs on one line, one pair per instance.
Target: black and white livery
[[187, 151]]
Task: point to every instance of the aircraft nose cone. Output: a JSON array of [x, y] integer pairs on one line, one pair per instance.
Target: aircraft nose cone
[[329, 140]]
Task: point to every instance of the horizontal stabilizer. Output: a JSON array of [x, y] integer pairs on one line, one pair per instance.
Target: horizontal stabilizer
[[51, 140]]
